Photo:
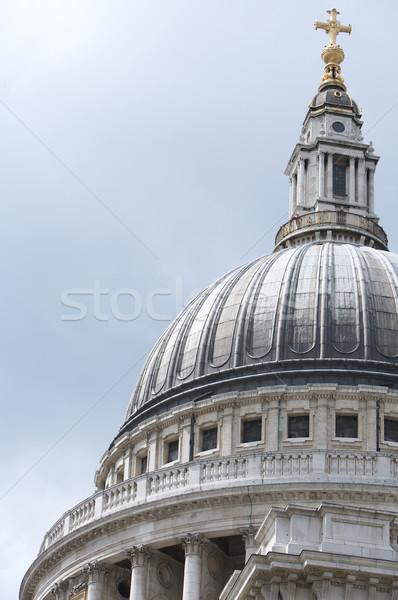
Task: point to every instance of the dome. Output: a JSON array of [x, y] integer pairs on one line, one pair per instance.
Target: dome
[[303, 312], [336, 99]]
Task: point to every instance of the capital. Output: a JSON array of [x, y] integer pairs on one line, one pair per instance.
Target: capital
[[193, 543], [139, 555], [248, 534], [95, 571], [58, 590]]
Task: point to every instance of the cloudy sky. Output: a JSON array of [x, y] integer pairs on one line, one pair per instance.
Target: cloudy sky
[[142, 151]]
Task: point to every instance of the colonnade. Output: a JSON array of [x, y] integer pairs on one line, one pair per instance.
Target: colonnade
[[94, 575], [360, 181]]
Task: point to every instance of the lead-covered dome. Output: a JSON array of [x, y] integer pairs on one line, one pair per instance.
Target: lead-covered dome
[[335, 99], [298, 315]]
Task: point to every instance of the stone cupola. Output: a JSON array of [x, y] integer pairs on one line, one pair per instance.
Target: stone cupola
[[331, 170]]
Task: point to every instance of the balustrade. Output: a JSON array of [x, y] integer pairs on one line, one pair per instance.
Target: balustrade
[[327, 218], [258, 468]]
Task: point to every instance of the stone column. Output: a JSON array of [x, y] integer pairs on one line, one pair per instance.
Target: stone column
[[329, 176], [251, 546], [361, 181], [193, 544], [321, 174], [96, 580], [352, 196], [300, 181], [371, 189], [291, 198], [139, 558], [294, 192]]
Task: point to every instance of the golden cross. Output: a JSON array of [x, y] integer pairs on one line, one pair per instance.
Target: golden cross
[[333, 27]]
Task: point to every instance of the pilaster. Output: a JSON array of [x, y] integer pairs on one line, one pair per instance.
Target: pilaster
[[152, 451], [349, 587]]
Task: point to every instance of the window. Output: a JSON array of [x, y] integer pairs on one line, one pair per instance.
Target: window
[[251, 431], [172, 451], [390, 430], [339, 180], [347, 426], [298, 426], [120, 475], [209, 439], [338, 127], [144, 464]]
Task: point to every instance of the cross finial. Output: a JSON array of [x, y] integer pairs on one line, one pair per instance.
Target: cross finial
[[333, 26], [332, 55]]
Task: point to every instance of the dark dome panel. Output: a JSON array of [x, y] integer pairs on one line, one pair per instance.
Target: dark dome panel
[[334, 98]]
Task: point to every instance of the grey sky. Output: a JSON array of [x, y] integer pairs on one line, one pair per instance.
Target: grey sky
[[179, 116]]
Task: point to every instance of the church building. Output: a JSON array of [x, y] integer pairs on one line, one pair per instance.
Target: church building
[[258, 458]]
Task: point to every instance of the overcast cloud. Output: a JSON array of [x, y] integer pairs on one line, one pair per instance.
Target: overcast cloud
[[142, 151]]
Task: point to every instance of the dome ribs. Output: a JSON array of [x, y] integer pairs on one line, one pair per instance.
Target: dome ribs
[[344, 295], [385, 304], [285, 299], [263, 311], [299, 308], [249, 299]]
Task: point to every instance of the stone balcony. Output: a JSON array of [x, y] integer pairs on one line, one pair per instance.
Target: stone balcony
[[331, 226]]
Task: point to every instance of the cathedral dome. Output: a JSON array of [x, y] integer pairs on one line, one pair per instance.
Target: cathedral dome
[[299, 315]]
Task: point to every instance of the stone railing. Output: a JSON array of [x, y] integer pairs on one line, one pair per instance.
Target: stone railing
[[81, 514], [250, 469], [222, 469], [166, 480], [332, 219]]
